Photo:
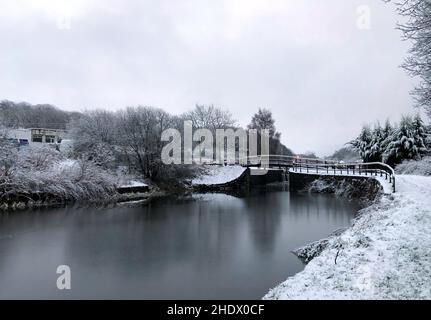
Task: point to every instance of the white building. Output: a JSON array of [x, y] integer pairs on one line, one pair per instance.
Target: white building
[[36, 136]]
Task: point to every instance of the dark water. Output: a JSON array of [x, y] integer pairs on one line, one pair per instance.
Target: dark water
[[211, 246]]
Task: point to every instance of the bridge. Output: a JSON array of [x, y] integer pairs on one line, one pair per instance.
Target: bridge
[[378, 170]]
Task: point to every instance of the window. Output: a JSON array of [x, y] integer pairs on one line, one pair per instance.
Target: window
[[23, 142], [37, 138], [49, 139]]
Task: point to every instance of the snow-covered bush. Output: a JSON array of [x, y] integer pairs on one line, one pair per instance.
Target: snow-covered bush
[[44, 174], [417, 167], [38, 157]]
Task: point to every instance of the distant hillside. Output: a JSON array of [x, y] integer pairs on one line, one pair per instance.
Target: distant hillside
[[285, 150], [345, 154], [25, 115]]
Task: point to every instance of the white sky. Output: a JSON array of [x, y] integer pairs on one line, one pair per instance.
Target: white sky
[[305, 60]]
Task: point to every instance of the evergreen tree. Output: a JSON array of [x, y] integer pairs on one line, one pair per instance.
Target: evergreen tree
[[405, 142], [375, 151], [363, 143], [420, 133], [387, 131]]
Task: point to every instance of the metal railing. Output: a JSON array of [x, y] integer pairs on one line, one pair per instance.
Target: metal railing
[[376, 169], [323, 167]]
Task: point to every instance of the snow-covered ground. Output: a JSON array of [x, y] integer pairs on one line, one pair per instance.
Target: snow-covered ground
[[386, 254], [219, 175], [134, 183]]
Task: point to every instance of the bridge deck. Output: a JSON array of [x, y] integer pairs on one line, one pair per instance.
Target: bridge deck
[[379, 171]]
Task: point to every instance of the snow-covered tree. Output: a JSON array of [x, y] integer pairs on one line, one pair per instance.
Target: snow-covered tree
[[387, 131], [416, 27], [420, 132], [363, 143], [406, 142], [376, 150]]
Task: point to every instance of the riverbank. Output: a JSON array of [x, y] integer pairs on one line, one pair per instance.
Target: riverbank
[[67, 183], [113, 199], [386, 254]]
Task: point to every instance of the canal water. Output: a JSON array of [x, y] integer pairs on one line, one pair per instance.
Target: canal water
[[205, 246]]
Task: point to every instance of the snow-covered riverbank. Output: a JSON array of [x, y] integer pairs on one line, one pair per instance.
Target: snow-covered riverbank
[[386, 254]]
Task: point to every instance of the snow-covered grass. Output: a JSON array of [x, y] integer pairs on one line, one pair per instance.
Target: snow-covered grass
[[418, 167], [214, 175], [386, 254]]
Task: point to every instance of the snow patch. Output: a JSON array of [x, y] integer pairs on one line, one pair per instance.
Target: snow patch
[[219, 175], [134, 183]]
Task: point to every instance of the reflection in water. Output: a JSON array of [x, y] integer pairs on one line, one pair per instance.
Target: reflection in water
[[206, 246]]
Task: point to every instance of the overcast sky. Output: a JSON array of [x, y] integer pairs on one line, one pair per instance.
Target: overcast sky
[[307, 60]]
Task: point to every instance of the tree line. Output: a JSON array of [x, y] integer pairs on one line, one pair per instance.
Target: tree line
[[393, 143], [131, 137], [26, 115]]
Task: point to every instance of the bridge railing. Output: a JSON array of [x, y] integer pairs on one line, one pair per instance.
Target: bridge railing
[[320, 166], [376, 169], [281, 160]]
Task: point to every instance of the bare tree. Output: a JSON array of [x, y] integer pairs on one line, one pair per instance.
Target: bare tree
[[417, 28], [140, 129], [210, 117], [94, 137]]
